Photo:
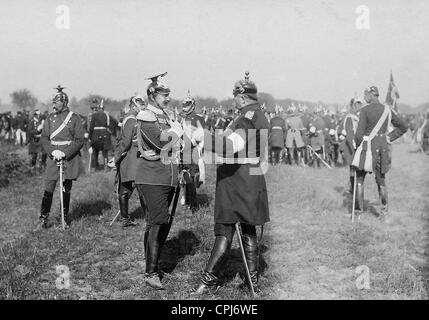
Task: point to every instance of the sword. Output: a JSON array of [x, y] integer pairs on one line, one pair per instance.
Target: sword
[[240, 242], [317, 155], [60, 164]]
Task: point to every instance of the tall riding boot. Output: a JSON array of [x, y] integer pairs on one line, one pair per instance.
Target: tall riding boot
[[359, 197], [250, 244], [127, 221], [382, 192], [191, 196], [45, 208], [66, 199], [153, 250], [298, 158], [210, 275]]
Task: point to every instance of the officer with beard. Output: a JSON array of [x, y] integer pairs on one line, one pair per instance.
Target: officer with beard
[[62, 138], [241, 192]]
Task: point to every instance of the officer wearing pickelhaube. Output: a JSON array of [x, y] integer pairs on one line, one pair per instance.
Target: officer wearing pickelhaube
[[126, 159], [99, 134], [158, 140], [62, 138], [241, 192], [192, 154], [373, 141]]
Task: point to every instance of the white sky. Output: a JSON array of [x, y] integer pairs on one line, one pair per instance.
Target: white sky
[[309, 50]]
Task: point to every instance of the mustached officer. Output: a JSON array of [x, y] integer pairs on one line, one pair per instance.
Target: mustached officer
[[241, 192], [62, 138], [158, 139]]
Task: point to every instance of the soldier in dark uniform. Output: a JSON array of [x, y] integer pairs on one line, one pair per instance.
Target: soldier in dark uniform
[[99, 134], [241, 192], [374, 145], [34, 144], [192, 157], [126, 159], [277, 138], [348, 145], [158, 139], [62, 139]]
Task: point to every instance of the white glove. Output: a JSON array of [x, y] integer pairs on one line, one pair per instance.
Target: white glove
[[40, 127], [90, 150], [176, 127], [86, 135], [58, 155]]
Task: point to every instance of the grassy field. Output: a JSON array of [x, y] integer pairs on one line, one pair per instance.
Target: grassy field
[[310, 249]]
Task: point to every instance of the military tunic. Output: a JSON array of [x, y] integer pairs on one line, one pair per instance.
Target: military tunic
[[379, 146], [294, 137], [69, 140], [241, 195], [34, 135], [277, 137], [161, 171], [126, 149], [99, 131]]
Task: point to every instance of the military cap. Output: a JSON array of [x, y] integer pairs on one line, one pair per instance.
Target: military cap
[[246, 87]]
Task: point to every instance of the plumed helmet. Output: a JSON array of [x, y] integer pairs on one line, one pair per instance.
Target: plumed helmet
[[60, 96], [157, 86], [188, 104], [246, 87]]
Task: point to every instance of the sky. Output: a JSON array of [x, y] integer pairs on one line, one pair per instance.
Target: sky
[[305, 50]]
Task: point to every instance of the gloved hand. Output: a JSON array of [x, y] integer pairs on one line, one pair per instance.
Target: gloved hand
[[58, 155], [90, 150], [86, 135], [176, 127]]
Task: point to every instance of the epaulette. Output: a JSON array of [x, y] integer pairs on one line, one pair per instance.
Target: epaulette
[[146, 115]]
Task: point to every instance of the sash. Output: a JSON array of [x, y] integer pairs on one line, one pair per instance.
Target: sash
[[62, 126], [367, 166]]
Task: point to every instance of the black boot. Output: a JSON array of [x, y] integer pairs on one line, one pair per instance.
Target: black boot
[[359, 197], [250, 244], [66, 199], [382, 192], [152, 252], [210, 276], [352, 184], [45, 208], [127, 221]]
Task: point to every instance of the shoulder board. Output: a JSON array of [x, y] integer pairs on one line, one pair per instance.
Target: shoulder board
[[146, 115], [249, 115]]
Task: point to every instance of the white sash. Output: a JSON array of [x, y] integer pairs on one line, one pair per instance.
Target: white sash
[[368, 157], [62, 126]]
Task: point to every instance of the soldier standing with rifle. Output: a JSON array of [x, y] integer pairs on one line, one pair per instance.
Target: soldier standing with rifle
[[157, 175], [374, 142], [241, 192], [126, 160], [62, 138]]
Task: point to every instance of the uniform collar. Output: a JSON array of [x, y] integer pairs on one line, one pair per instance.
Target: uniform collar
[[154, 109]]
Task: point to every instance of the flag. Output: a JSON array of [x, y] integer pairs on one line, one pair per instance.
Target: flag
[[392, 93]]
